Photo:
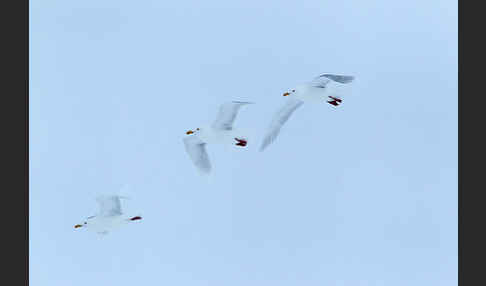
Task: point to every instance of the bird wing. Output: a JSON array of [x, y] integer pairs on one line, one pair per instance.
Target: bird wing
[[227, 114], [197, 152], [278, 121], [109, 205], [322, 80]]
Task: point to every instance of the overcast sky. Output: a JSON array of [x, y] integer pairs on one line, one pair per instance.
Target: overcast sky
[[362, 194]]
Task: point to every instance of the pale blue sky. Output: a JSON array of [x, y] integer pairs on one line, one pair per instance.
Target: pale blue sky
[[365, 194]]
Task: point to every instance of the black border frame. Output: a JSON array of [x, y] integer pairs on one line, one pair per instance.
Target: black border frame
[[15, 121], [470, 144]]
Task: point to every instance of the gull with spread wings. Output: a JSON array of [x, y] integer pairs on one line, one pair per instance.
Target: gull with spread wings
[[109, 217], [324, 88], [221, 131]]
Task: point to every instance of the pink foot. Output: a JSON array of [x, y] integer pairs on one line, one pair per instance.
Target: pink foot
[[241, 142], [335, 101]]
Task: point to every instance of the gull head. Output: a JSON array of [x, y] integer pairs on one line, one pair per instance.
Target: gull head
[[81, 225], [289, 93], [192, 131]]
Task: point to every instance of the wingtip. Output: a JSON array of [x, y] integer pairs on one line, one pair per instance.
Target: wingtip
[[262, 147], [243, 102], [204, 174], [338, 77], [203, 171]]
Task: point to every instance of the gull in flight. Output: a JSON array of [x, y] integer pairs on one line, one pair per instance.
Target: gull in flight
[[221, 131], [324, 88], [109, 216]]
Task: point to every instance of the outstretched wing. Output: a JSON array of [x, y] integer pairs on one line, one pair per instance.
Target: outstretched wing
[[278, 121], [109, 205], [197, 152], [227, 114], [322, 80]]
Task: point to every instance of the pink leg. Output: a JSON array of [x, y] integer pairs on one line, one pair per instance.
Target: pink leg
[[335, 101], [241, 142]]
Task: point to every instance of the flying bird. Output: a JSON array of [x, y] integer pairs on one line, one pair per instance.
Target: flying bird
[[221, 131], [324, 88], [109, 217]]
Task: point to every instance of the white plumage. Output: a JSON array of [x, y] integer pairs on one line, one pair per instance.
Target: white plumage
[[109, 206], [196, 149], [324, 88], [221, 131], [109, 216]]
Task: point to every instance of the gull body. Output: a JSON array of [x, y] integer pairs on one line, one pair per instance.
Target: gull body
[[218, 136], [316, 94]]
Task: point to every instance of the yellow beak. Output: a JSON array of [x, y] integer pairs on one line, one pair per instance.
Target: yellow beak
[[78, 225], [286, 94], [189, 132]]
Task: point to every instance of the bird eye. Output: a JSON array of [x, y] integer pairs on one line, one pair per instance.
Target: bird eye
[[293, 90], [197, 128], [85, 222]]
